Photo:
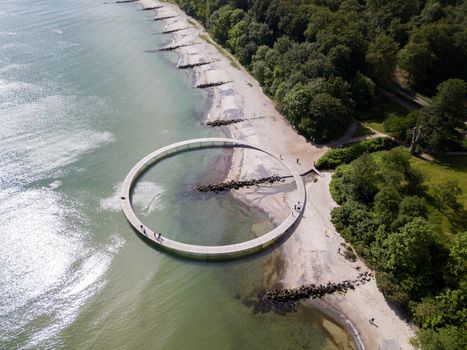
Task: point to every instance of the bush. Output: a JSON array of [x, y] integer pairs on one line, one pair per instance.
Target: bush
[[388, 285], [349, 253], [339, 156], [401, 127]]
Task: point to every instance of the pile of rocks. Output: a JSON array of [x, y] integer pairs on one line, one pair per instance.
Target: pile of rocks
[[171, 48], [287, 300], [152, 8], [193, 65], [161, 18], [174, 30], [221, 122], [235, 185], [208, 85]]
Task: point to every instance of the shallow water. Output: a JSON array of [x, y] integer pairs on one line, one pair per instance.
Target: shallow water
[[80, 104]]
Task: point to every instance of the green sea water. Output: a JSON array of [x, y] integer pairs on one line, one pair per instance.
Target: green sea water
[[80, 104]]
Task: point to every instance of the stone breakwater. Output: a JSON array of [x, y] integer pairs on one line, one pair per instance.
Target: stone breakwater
[[208, 85], [193, 65], [170, 48], [235, 185], [169, 31], [222, 122], [152, 8], [283, 301], [162, 18]]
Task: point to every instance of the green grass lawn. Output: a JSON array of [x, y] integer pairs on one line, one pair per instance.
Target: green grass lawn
[[448, 168], [375, 117]]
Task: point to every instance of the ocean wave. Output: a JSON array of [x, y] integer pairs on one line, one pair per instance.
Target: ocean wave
[[147, 196], [9, 67], [38, 139], [48, 268]]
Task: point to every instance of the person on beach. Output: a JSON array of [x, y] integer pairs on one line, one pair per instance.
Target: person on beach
[[159, 237], [298, 161]]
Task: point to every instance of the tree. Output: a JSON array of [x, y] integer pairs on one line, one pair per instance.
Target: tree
[[413, 206], [391, 289], [363, 91], [408, 250], [436, 52], [458, 254], [418, 60], [361, 179], [407, 256], [246, 36], [443, 121], [387, 204], [382, 57], [223, 19], [446, 338], [446, 193], [396, 171], [329, 117], [297, 102]]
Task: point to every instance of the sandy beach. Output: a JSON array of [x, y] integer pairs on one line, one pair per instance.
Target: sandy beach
[[311, 252]]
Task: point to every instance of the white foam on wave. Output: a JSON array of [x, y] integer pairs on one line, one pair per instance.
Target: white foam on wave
[[39, 138], [54, 185], [12, 87], [11, 67], [48, 266], [147, 196], [7, 33]]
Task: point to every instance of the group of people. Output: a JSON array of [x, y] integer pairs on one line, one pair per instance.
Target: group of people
[[157, 236], [296, 208]]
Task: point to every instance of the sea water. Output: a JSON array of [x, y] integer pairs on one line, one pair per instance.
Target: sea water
[[80, 104]]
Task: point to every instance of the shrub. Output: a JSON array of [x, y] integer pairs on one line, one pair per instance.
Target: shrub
[[401, 127], [339, 156]]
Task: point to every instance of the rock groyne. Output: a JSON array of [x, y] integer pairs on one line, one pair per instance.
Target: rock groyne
[[208, 85], [287, 300], [162, 18], [193, 65], [235, 185]]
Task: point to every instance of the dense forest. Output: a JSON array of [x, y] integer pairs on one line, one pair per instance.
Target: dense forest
[[384, 214], [326, 62]]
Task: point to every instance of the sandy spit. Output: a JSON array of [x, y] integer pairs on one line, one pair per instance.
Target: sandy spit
[[311, 252]]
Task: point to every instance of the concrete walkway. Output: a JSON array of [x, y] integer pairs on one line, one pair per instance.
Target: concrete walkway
[[208, 252]]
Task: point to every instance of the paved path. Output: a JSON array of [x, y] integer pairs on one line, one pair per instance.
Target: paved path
[[208, 252]]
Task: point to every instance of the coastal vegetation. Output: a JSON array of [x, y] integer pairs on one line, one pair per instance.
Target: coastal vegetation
[[339, 156], [327, 61], [406, 217]]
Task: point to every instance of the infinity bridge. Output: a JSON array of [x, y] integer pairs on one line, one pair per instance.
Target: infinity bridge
[[201, 251]]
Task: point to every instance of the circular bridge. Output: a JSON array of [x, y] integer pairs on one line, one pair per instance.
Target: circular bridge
[[202, 251]]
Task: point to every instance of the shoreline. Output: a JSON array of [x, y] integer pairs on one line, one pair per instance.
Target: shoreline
[[310, 254]]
